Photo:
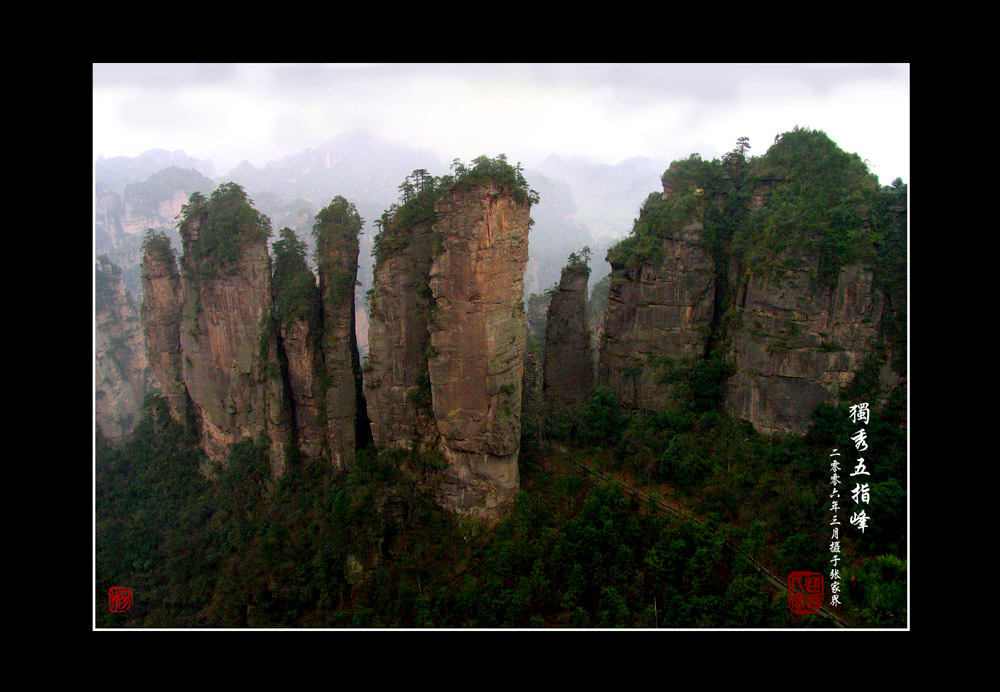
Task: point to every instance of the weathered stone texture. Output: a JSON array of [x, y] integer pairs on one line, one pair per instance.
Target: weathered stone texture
[[344, 401], [397, 383], [305, 366], [161, 320], [655, 313], [230, 362], [568, 369], [121, 369], [798, 343], [478, 340]]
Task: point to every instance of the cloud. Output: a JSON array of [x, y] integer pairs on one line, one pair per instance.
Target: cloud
[[161, 75], [601, 111]]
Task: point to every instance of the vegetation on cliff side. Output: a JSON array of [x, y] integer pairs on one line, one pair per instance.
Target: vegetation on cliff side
[[336, 232], [579, 262], [420, 191], [496, 171], [688, 184], [804, 202], [156, 245], [224, 224], [295, 293], [370, 548], [818, 200], [805, 198]]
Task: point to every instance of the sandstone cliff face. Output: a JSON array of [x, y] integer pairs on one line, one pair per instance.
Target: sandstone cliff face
[[161, 322], [795, 343], [768, 267], [657, 313], [397, 381], [122, 372], [799, 343], [230, 363], [568, 369], [478, 341], [245, 347]]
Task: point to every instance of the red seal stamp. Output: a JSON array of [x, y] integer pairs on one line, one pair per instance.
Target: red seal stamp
[[119, 599], [805, 592]]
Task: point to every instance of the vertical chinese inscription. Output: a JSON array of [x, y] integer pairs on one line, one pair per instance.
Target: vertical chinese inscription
[[860, 494], [835, 524]]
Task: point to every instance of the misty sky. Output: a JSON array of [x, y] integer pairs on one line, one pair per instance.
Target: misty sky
[[599, 112]]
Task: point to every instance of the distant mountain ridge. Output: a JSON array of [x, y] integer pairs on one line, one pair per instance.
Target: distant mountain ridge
[[117, 172], [355, 164], [368, 170], [608, 196]]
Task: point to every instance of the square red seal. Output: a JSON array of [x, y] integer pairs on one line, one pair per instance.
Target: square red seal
[[119, 599], [805, 592]]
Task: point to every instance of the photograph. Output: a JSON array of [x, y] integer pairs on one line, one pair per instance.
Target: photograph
[[476, 347]]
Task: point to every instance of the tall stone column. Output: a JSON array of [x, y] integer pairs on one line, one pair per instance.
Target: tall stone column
[[568, 365], [161, 321], [336, 230], [478, 339]]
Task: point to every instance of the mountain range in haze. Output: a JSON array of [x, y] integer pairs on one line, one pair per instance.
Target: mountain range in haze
[[580, 203]]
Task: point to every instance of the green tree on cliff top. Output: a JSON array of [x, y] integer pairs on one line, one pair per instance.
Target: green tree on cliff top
[[294, 284], [336, 232], [227, 222]]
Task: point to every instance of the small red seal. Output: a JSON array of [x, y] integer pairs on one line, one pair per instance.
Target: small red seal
[[805, 592], [119, 599]]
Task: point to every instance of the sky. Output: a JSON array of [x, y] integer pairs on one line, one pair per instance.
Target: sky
[[596, 112]]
